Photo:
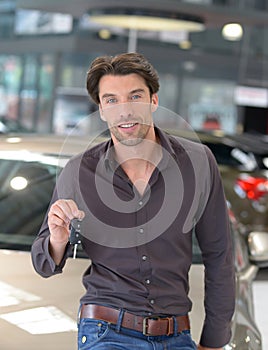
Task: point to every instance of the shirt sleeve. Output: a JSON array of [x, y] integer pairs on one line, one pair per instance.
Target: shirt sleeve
[[214, 237], [41, 258]]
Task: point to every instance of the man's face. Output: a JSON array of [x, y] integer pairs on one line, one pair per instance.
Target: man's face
[[126, 105]]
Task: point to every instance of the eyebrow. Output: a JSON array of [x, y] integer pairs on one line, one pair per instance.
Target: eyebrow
[[107, 95], [136, 90]]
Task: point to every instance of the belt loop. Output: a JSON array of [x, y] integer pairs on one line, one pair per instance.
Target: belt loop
[[175, 326], [79, 314], [119, 320]]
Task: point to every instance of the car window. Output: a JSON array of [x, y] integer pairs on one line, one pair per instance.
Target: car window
[[223, 154], [233, 156], [25, 193]]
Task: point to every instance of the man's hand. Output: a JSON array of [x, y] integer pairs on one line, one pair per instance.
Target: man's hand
[[200, 347], [59, 217]]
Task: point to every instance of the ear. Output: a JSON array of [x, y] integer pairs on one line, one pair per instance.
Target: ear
[[101, 113], [154, 103]]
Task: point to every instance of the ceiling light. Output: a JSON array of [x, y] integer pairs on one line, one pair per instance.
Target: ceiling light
[[146, 19], [232, 31], [189, 66], [105, 34], [185, 44]]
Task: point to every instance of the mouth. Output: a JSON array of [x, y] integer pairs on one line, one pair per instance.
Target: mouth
[[127, 125]]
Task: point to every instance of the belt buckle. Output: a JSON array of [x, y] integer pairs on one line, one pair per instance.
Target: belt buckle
[[145, 324]]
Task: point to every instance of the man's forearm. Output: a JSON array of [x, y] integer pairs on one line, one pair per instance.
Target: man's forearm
[[57, 251]]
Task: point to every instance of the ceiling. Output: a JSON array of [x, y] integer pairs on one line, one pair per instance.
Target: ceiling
[[214, 15], [248, 59]]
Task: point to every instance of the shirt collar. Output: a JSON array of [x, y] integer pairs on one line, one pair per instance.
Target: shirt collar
[[164, 140]]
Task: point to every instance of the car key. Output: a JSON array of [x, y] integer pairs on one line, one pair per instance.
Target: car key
[[75, 236]]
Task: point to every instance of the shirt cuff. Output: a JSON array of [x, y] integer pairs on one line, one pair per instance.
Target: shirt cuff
[[55, 268], [215, 337]]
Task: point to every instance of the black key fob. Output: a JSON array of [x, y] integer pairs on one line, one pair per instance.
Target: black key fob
[[75, 235]]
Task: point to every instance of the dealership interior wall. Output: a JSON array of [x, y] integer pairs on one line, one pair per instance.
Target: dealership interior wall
[[46, 48]]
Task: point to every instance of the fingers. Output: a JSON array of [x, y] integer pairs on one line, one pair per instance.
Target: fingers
[[63, 211]]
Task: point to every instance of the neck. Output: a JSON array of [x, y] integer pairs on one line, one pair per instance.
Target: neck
[[139, 161], [137, 156]]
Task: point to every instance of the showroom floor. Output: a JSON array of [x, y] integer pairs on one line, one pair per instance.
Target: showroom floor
[[260, 290]]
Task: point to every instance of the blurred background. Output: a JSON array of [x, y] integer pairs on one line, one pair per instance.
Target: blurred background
[[213, 63]]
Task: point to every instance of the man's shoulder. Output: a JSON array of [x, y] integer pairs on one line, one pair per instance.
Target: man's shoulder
[[179, 143], [93, 151], [193, 147], [97, 150]]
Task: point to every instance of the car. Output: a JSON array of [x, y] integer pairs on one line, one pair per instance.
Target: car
[[243, 164], [41, 313]]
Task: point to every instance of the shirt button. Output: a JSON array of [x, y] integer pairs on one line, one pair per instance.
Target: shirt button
[[144, 257], [140, 203], [147, 281], [152, 301], [141, 230]]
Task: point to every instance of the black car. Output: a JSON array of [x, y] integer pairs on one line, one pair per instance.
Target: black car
[[243, 163]]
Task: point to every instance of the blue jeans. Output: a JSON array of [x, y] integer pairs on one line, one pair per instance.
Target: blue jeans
[[101, 335]]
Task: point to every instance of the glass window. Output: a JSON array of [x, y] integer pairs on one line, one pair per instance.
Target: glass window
[[73, 70], [208, 104], [10, 77], [72, 102], [45, 97], [168, 93], [32, 22], [29, 91], [6, 25]]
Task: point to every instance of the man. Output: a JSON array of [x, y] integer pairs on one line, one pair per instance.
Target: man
[[141, 195]]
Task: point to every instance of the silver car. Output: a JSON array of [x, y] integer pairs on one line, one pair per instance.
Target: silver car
[[37, 313]]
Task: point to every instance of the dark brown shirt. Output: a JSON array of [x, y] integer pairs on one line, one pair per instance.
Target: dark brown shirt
[[141, 246]]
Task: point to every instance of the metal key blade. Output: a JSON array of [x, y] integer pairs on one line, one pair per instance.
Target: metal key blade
[[75, 250]]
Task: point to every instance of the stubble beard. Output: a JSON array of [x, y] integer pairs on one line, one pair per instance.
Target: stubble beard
[[131, 140]]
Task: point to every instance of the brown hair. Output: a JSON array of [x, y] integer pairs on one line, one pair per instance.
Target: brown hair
[[123, 64]]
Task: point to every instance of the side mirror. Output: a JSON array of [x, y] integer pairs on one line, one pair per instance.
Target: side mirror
[[258, 248]]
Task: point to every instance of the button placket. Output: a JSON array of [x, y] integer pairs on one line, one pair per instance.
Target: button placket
[[145, 265]]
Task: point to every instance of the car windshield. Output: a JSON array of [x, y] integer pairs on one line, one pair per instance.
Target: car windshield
[[25, 192]]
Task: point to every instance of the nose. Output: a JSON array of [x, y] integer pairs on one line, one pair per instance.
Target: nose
[[125, 110]]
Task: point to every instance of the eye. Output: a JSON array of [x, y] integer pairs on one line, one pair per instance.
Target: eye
[[111, 100], [135, 97]]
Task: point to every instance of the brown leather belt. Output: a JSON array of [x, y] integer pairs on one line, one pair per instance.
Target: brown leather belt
[[150, 326]]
